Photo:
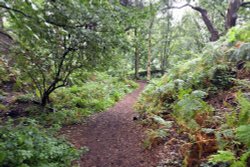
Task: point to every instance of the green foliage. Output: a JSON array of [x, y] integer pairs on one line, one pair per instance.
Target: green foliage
[[222, 76], [241, 53], [55, 118], [182, 92], [4, 76], [244, 104], [211, 71], [93, 96], [56, 40], [242, 117], [239, 33], [95, 93], [223, 156], [154, 136], [27, 144], [25, 98], [243, 134], [3, 107], [242, 83], [161, 122], [188, 106], [238, 120], [91, 92], [228, 156], [224, 138]]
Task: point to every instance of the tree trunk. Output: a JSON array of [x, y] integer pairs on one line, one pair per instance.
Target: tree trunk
[[45, 99], [149, 53], [136, 57], [213, 31], [232, 10], [136, 62], [150, 46], [163, 59], [1, 22]]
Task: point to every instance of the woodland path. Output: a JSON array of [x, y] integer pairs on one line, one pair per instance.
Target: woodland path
[[114, 139]]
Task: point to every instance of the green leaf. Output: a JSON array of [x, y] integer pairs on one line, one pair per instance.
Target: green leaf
[[243, 134], [222, 156]]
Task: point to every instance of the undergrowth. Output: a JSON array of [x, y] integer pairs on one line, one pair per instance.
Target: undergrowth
[[29, 140], [28, 145], [183, 94]]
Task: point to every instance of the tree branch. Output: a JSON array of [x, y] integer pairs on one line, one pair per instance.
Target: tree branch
[[245, 4], [7, 35], [175, 7], [213, 31], [15, 10]]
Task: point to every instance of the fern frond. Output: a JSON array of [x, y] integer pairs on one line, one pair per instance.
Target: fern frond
[[223, 156], [243, 134]]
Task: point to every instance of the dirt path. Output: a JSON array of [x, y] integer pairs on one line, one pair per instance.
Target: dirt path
[[113, 137]]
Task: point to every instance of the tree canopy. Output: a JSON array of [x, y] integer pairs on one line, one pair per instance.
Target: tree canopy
[[64, 60]]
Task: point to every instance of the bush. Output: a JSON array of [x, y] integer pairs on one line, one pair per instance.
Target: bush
[[97, 93], [190, 110], [27, 145], [239, 33], [26, 98]]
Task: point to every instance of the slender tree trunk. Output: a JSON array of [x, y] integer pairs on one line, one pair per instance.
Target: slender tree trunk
[[150, 45], [166, 44], [136, 57], [136, 63], [163, 59], [149, 52], [1, 22]]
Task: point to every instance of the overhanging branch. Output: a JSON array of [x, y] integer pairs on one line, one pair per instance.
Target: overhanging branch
[[15, 10], [245, 4], [175, 7], [213, 31]]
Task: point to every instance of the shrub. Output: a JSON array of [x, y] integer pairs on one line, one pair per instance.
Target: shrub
[[222, 76], [190, 110], [241, 33], [230, 157], [25, 98], [97, 93], [237, 135], [27, 144]]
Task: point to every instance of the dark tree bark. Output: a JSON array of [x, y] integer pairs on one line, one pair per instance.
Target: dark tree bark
[[213, 31], [125, 2], [230, 19], [45, 99], [232, 15]]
